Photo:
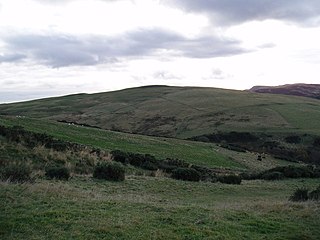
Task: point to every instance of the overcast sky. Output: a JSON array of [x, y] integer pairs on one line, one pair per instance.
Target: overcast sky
[[58, 47]]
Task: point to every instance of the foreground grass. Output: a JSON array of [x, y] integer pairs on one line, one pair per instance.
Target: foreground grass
[[193, 152], [155, 208]]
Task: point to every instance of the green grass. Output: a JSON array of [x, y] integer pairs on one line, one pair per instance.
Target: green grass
[[156, 208], [193, 152], [178, 111]]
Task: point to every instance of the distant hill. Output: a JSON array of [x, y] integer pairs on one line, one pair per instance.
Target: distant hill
[[299, 89], [181, 112]]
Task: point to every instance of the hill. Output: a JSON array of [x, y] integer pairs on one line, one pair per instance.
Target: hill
[[299, 89], [149, 203], [180, 112]]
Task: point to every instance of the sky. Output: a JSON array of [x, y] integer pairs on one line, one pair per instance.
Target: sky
[[59, 47]]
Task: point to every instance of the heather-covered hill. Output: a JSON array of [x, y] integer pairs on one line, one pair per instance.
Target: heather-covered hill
[[299, 89]]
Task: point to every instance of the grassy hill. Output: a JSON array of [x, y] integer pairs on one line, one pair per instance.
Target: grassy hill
[[204, 154], [151, 206], [181, 112]]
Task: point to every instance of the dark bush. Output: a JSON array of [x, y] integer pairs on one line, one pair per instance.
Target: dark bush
[[316, 142], [145, 161], [186, 174], [57, 172], [17, 173], [299, 195], [136, 159], [120, 156], [294, 171], [109, 171], [150, 166], [249, 176], [230, 179], [272, 176], [315, 194], [293, 139]]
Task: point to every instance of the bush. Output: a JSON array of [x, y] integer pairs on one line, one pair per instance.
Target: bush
[[57, 172], [315, 194], [150, 166], [299, 195], [186, 174], [316, 142], [120, 156], [17, 173], [272, 176], [230, 179], [109, 171], [293, 139], [250, 176], [293, 171]]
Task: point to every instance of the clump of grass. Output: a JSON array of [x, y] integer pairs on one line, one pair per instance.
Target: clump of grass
[[57, 172], [315, 194], [109, 171], [300, 195], [16, 173]]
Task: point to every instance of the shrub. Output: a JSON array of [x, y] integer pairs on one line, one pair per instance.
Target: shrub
[[57, 172], [293, 139], [299, 195], [120, 156], [250, 176], [315, 194], [150, 166], [293, 171], [109, 171], [230, 179], [17, 173], [272, 176], [186, 174], [316, 142]]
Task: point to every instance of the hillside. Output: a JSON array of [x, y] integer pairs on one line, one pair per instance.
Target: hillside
[[299, 89], [149, 203], [203, 154], [181, 112]]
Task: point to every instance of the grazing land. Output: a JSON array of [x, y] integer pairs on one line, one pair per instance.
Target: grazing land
[[156, 208], [222, 133]]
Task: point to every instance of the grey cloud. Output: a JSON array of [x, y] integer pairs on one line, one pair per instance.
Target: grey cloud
[[60, 51], [11, 57], [228, 12]]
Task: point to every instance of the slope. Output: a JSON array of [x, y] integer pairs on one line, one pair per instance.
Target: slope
[[180, 112], [204, 154], [298, 89]]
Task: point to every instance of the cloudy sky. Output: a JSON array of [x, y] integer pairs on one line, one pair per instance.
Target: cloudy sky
[[58, 47]]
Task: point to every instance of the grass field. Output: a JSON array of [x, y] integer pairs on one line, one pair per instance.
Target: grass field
[[156, 208], [194, 152]]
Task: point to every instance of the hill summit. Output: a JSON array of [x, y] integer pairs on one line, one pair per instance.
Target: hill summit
[[299, 89]]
